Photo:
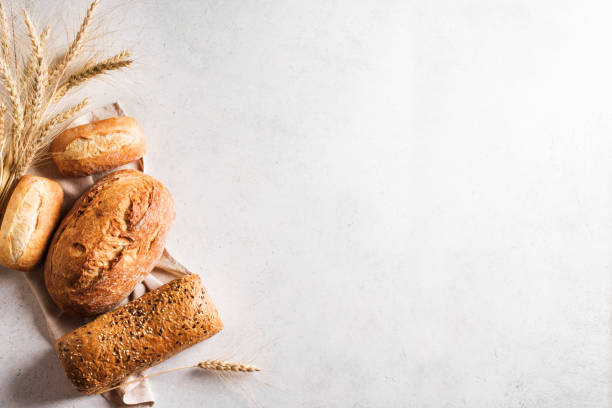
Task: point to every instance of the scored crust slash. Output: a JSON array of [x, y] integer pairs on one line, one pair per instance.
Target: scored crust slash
[[108, 242]]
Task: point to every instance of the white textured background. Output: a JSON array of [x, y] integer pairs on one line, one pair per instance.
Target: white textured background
[[393, 203]]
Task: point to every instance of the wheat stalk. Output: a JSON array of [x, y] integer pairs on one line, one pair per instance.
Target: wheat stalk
[[75, 48], [212, 365], [14, 96], [34, 90], [5, 36], [3, 141], [2, 133], [30, 146], [118, 61], [28, 67], [35, 101]]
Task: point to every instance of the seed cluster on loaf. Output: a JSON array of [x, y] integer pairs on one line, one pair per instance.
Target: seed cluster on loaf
[[108, 242], [140, 334]]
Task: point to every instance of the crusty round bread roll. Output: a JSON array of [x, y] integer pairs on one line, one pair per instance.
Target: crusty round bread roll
[[98, 146], [30, 217], [108, 242]]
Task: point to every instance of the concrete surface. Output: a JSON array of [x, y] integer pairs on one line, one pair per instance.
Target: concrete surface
[[393, 203]]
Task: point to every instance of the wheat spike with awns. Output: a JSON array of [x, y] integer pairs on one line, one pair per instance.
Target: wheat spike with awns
[[33, 88], [208, 365]]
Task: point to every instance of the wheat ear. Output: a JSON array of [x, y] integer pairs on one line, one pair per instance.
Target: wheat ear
[[13, 92], [5, 35], [2, 132], [213, 365], [118, 61], [35, 101], [6, 76], [75, 48], [3, 140], [221, 365], [28, 67]]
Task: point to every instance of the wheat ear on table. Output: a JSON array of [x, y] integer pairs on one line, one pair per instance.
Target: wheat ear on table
[[220, 365], [212, 365]]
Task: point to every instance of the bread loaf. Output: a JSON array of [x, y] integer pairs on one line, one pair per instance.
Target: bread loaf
[[31, 214], [98, 146], [108, 242], [139, 335]]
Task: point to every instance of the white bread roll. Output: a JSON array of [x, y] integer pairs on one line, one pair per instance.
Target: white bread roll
[[98, 146], [30, 217]]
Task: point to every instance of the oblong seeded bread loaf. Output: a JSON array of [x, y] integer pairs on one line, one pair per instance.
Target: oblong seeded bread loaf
[[141, 334], [98, 146], [30, 217], [108, 242]]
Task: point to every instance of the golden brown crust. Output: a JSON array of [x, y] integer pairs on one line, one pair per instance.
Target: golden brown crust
[[98, 146], [30, 217], [141, 334], [108, 242]]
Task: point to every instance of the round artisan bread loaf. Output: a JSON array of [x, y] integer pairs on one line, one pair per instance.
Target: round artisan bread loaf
[[98, 146], [31, 215], [108, 242]]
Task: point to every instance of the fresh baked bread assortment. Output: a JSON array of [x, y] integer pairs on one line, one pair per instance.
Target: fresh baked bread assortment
[[143, 333], [29, 219], [98, 146], [108, 242]]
